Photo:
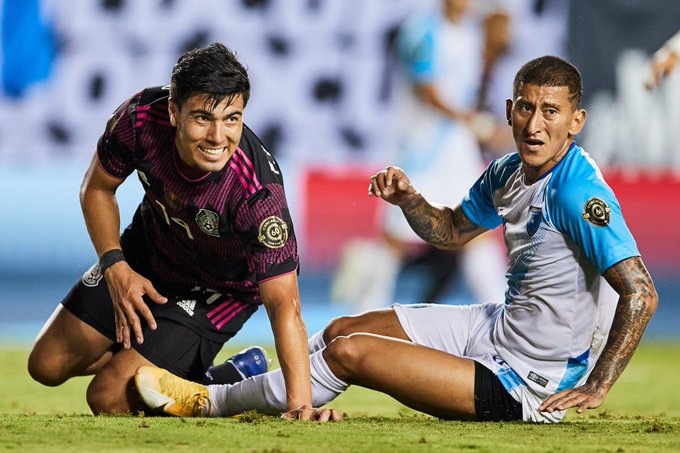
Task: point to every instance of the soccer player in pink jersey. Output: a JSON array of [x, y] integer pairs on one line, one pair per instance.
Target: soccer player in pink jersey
[[210, 242]]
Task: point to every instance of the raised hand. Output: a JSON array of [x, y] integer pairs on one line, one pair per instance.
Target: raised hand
[[392, 185]]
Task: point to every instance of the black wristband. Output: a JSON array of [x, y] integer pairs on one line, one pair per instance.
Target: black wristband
[[110, 258]]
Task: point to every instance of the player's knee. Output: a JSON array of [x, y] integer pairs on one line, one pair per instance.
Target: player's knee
[[344, 355], [101, 398], [345, 326], [44, 370], [336, 328]]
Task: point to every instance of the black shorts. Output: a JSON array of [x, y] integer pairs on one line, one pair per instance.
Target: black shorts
[[493, 403], [192, 326]]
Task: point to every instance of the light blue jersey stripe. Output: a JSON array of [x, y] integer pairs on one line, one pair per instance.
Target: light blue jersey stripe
[[576, 368], [509, 378]]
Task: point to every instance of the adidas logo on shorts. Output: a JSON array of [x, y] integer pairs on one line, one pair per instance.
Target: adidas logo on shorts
[[188, 306]]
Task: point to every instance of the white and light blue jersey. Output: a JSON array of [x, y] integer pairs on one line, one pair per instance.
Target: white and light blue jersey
[[562, 233], [435, 51], [448, 55]]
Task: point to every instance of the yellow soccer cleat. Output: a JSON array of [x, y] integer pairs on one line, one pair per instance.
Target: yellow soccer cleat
[[162, 390]]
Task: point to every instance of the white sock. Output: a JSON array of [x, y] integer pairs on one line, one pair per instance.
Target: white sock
[[266, 393], [316, 342], [325, 385], [261, 393]]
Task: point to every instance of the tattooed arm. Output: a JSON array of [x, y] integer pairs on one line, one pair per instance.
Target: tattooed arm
[[637, 303], [441, 226]]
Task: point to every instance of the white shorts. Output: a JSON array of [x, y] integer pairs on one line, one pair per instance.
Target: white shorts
[[466, 331]]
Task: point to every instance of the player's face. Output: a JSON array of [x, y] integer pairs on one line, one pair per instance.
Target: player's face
[[455, 8], [544, 123], [207, 135]]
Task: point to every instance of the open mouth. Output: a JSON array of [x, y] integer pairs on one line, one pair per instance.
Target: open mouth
[[213, 152], [533, 144]]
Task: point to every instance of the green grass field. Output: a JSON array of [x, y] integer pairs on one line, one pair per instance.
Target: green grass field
[[641, 414]]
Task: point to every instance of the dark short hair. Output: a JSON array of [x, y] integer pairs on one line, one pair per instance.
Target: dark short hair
[[553, 72], [212, 70]]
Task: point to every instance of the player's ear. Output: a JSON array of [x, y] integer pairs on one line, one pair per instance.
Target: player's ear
[[508, 111], [578, 120], [172, 111]]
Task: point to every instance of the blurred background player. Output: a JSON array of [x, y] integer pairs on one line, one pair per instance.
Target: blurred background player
[[664, 61], [579, 297], [442, 55], [526, 19], [210, 242]]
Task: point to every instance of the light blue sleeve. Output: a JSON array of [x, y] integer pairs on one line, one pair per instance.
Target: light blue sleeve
[[586, 209], [478, 204], [417, 47]]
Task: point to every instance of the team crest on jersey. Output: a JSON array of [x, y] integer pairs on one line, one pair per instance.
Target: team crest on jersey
[[208, 222], [596, 212], [273, 232], [93, 276], [534, 221], [172, 199]]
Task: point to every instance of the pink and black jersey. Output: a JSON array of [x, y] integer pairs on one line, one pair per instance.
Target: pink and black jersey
[[226, 231]]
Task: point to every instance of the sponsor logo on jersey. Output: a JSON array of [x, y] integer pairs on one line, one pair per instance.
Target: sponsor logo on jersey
[[172, 199], [596, 212], [208, 222], [537, 378], [273, 232], [534, 221], [187, 305], [93, 276]]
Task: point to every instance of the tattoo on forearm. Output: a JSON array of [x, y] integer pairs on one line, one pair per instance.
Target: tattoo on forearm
[[428, 221], [636, 306], [438, 225]]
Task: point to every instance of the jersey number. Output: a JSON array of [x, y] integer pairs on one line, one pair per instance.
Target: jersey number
[[179, 222]]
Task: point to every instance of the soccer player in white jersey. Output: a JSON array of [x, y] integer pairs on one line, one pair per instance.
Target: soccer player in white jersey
[[578, 299]]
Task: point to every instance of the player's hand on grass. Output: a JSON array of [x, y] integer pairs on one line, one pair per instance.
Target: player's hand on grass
[[392, 185], [310, 413], [588, 396], [127, 289]]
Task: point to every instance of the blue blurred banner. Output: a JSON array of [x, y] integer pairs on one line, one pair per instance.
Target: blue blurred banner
[[28, 46]]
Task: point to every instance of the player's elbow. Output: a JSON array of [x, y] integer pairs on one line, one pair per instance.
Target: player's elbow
[[450, 245], [449, 241], [643, 301], [286, 318], [650, 297]]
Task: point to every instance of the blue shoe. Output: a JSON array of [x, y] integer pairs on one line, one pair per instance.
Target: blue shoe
[[251, 362]]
